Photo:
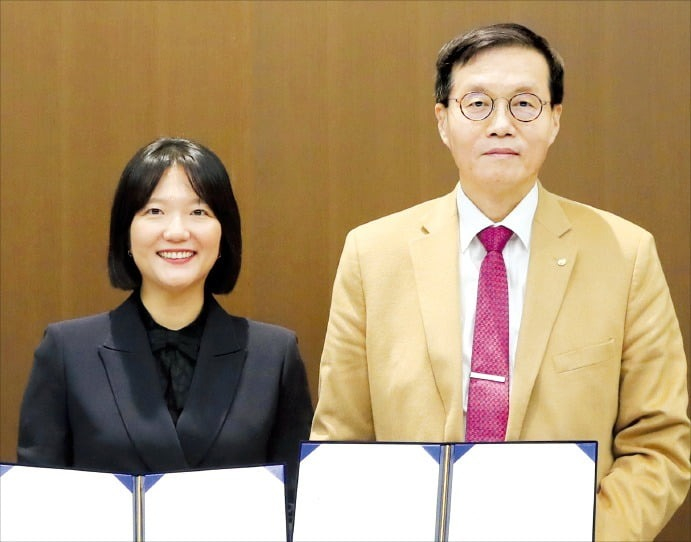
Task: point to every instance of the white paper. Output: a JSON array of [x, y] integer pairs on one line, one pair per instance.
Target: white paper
[[522, 492], [367, 492], [243, 504], [39, 504]]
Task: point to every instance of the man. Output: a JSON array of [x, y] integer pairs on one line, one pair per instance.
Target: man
[[592, 348]]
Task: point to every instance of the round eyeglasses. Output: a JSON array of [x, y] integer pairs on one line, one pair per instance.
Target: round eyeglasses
[[524, 107]]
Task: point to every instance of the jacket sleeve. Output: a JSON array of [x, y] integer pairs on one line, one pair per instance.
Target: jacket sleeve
[[344, 409], [650, 474], [294, 413], [292, 424], [44, 432]]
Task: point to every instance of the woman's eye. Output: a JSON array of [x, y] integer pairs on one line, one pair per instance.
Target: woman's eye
[[154, 211], [199, 212]]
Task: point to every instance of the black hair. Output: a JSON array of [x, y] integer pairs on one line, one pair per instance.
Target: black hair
[[461, 49]]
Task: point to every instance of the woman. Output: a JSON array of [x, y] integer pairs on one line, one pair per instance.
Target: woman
[[168, 380]]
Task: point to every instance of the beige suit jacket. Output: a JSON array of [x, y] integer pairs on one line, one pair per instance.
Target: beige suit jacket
[[599, 356]]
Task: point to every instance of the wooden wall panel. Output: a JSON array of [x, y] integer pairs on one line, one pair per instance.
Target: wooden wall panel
[[29, 188], [289, 108], [323, 113]]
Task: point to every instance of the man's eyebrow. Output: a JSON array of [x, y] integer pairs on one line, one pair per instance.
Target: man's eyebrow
[[518, 89]]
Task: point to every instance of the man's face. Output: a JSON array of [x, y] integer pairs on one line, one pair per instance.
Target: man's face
[[500, 156]]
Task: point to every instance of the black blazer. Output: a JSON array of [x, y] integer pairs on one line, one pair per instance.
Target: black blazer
[[94, 399]]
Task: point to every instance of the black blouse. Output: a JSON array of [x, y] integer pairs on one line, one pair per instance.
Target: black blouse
[[176, 353]]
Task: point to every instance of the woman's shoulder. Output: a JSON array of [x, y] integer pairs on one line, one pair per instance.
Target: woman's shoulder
[[94, 326], [125, 311], [255, 328], [264, 341], [265, 329], [258, 329], [75, 334], [81, 325]]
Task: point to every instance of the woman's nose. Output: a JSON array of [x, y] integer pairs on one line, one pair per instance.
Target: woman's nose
[[176, 230]]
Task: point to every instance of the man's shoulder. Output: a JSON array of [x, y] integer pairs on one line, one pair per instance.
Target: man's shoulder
[[410, 220], [582, 213], [585, 218]]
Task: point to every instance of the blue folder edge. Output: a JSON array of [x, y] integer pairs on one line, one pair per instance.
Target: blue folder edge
[[126, 479], [151, 479], [587, 447], [434, 450], [306, 448]]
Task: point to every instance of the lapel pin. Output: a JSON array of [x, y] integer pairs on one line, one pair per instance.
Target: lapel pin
[[561, 262]]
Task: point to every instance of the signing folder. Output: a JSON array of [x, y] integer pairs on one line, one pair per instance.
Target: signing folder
[[44, 504], [504, 491]]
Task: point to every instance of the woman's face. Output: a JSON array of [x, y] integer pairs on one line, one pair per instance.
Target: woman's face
[[175, 238]]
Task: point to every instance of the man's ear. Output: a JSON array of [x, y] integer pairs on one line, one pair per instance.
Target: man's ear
[[442, 112], [556, 116]]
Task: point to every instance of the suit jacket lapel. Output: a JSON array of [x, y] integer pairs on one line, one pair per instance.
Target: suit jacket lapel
[[131, 369], [221, 359], [435, 263], [552, 258]]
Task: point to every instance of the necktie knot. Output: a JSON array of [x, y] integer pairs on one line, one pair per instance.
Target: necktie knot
[[494, 238]]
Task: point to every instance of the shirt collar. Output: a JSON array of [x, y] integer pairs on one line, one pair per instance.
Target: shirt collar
[[473, 220], [193, 330]]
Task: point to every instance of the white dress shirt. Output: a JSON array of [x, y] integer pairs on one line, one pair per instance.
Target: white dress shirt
[[471, 254]]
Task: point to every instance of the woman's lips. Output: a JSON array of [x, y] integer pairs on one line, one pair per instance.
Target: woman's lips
[[176, 254]]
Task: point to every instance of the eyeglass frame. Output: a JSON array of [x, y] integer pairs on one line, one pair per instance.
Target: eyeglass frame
[[508, 105]]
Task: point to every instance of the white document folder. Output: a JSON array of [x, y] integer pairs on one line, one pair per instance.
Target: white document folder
[[523, 491], [243, 504], [367, 492], [39, 504], [508, 491], [47, 504]]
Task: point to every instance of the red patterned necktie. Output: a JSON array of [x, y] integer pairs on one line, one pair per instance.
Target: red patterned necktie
[[488, 392]]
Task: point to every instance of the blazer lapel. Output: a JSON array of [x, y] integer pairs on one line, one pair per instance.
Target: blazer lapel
[[131, 369], [552, 258], [435, 263], [222, 355]]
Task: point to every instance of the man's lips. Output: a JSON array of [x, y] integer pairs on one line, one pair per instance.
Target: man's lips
[[175, 254], [499, 151]]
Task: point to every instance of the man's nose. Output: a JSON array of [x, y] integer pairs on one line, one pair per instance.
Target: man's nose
[[501, 121]]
